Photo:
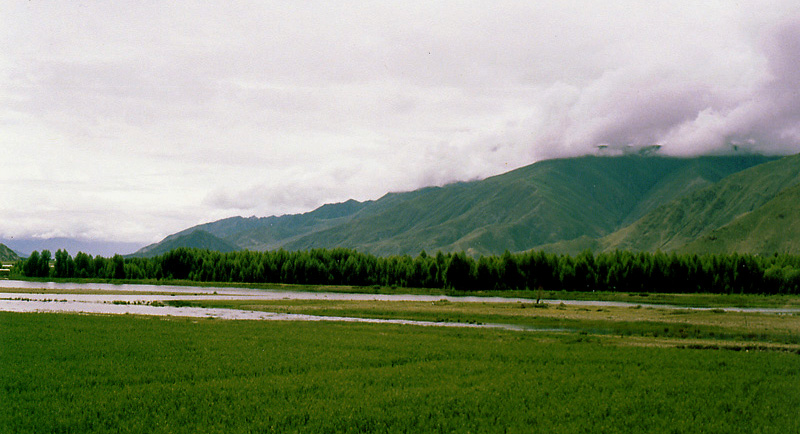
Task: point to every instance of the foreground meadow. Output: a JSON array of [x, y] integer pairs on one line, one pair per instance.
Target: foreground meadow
[[85, 373]]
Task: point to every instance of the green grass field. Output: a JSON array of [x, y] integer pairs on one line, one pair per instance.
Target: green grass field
[[634, 321], [81, 373]]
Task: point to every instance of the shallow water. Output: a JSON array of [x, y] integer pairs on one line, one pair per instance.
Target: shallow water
[[22, 284], [63, 305], [165, 292]]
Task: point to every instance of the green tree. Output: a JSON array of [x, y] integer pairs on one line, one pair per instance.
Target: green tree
[[509, 272], [44, 264], [64, 265], [31, 266], [101, 267], [585, 272], [83, 265], [119, 267], [487, 273], [460, 272]]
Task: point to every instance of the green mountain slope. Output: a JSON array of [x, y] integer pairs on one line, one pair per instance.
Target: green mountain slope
[[543, 203], [267, 233], [687, 218], [696, 174], [581, 199], [6, 254], [197, 239], [771, 228]]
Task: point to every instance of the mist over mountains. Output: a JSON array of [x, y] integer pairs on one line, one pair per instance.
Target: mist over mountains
[[24, 246], [633, 202]]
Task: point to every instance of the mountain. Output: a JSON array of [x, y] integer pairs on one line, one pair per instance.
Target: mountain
[[103, 248], [771, 228], [577, 200], [543, 203], [6, 254], [689, 217], [197, 239]]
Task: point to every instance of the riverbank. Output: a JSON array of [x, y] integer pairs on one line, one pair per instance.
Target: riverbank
[[595, 317]]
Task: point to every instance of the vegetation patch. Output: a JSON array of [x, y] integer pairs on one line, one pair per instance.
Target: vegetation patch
[[533, 272], [83, 373], [608, 321], [746, 348]]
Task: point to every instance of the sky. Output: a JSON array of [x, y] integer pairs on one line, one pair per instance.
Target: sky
[[127, 121]]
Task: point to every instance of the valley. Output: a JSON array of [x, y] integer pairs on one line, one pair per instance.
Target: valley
[[654, 286]]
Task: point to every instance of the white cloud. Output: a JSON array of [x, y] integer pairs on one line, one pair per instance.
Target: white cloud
[[129, 121]]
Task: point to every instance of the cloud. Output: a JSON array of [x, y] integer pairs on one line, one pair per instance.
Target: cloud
[[157, 116], [765, 119], [748, 98]]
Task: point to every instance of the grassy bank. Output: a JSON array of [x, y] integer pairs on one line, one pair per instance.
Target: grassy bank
[[78, 373], [712, 324]]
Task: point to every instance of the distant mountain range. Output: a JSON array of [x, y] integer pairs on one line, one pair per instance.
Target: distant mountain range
[[743, 203], [24, 246], [198, 239]]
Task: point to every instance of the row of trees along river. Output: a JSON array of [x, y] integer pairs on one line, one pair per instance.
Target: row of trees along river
[[615, 271]]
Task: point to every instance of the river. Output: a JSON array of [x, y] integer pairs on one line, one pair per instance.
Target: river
[[148, 300]]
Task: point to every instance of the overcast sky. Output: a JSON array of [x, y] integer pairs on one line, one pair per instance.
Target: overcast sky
[[131, 120]]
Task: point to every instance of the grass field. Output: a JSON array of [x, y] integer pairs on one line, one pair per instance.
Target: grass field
[[83, 373], [714, 324]]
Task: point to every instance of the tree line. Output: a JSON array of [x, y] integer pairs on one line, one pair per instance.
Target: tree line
[[620, 271]]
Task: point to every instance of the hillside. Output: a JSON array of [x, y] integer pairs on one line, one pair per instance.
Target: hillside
[[771, 228], [551, 201], [6, 254], [197, 239], [687, 218], [546, 202]]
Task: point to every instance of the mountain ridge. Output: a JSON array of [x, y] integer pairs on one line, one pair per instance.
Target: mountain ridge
[[549, 203], [197, 239], [24, 246], [682, 221], [518, 210]]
